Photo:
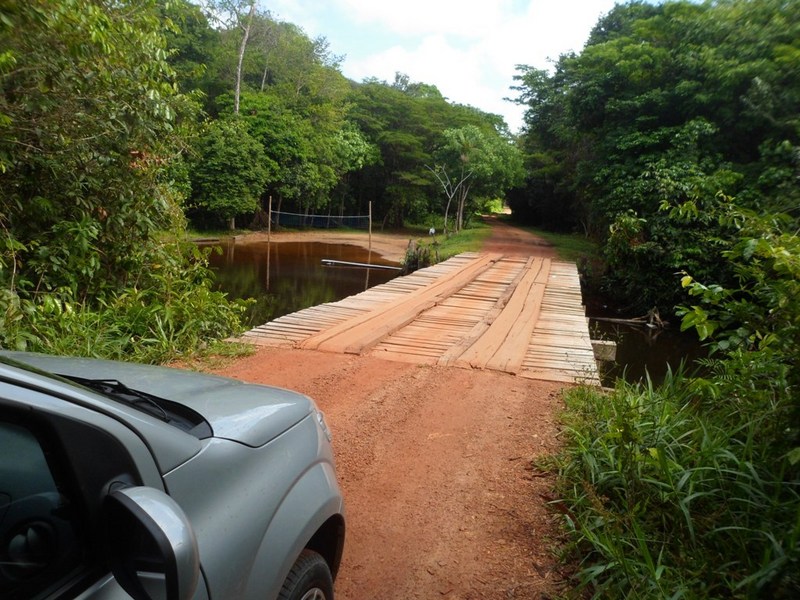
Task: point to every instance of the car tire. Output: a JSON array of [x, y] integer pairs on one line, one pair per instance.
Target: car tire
[[309, 579]]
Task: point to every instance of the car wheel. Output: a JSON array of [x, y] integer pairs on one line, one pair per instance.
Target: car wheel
[[309, 579]]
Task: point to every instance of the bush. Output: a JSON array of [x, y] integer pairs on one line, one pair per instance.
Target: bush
[[692, 490], [418, 256], [176, 314], [672, 494]]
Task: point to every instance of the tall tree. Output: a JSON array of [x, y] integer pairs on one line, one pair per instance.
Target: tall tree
[[472, 160], [234, 15], [230, 171]]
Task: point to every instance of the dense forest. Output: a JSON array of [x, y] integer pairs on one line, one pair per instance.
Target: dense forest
[[671, 115], [672, 139], [281, 121]]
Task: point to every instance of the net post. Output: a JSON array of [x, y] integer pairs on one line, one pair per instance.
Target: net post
[[269, 220], [269, 236], [370, 227]]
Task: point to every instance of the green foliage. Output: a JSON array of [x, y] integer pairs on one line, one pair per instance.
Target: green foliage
[[407, 122], [693, 489], [667, 106], [91, 128], [675, 493], [418, 256], [88, 118], [330, 144], [474, 163], [762, 311], [230, 171], [176, 315]]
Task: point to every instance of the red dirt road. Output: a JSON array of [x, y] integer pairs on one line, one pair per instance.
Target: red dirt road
[[437, 468]]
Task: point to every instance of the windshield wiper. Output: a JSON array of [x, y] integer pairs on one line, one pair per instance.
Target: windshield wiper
[[117, 389]]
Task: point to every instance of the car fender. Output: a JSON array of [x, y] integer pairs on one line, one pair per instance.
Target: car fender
[[315, 496]]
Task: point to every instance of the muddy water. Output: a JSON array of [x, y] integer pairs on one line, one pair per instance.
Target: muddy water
[[289, 276], [642, 352]]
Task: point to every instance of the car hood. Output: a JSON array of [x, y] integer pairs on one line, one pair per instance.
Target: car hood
[[246, 413]]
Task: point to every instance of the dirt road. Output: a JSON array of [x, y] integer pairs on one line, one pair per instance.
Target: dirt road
[[438, 469]]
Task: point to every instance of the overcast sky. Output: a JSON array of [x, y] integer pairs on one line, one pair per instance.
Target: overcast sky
[[467, 49]]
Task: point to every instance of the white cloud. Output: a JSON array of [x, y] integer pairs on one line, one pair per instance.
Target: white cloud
[[421, 17], [467, 50]]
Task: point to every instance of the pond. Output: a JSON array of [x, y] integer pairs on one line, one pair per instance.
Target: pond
[[290, 276], [642, 351]]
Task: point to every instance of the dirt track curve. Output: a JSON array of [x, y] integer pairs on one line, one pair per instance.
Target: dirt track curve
[[437, 467]]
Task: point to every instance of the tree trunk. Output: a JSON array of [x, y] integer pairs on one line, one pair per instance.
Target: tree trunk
[[264, 76], [241, 56]]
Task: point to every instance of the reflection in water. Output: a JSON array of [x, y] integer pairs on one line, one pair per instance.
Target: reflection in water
[[289, 276], [642, 352]]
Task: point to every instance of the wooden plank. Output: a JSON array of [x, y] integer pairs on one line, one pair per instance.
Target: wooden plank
[[477, 331], [361, 333], [484, 348], [510, 354]]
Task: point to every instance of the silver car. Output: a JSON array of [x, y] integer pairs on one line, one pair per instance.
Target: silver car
[[120, 480]]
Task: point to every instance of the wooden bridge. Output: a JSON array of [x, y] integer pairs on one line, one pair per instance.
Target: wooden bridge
[[486, 311]]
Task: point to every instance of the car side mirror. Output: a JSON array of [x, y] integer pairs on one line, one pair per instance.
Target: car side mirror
[[152, 547]]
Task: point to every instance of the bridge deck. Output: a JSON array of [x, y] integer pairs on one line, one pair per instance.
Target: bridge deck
[[514, 314]]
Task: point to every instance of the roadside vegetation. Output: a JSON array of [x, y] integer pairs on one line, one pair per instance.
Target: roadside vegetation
[[573, 247], [672, 141], [692, 489]]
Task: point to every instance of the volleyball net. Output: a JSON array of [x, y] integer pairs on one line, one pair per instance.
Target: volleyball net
[[311, 221]]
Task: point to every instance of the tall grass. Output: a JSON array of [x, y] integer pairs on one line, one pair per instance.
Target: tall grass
[[674, 492]]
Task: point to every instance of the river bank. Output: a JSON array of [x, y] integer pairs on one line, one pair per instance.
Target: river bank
[[391, 246]]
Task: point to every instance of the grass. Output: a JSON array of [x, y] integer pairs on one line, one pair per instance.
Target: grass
[[669, 496], [217, 355], [466, 240], [198, 234]]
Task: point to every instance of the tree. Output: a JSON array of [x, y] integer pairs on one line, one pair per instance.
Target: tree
[[455, 187], [90, 218], [474, 160], [405, 121], [230, 172], [667, 106], [87, 122], [191, 42]]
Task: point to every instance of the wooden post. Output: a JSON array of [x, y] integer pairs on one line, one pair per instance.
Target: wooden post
[[369, 247], [269, 236]]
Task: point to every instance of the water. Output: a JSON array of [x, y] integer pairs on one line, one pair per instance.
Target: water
[[296, 277], [644, 352]]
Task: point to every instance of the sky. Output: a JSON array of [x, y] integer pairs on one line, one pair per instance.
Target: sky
[[466, 48]]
